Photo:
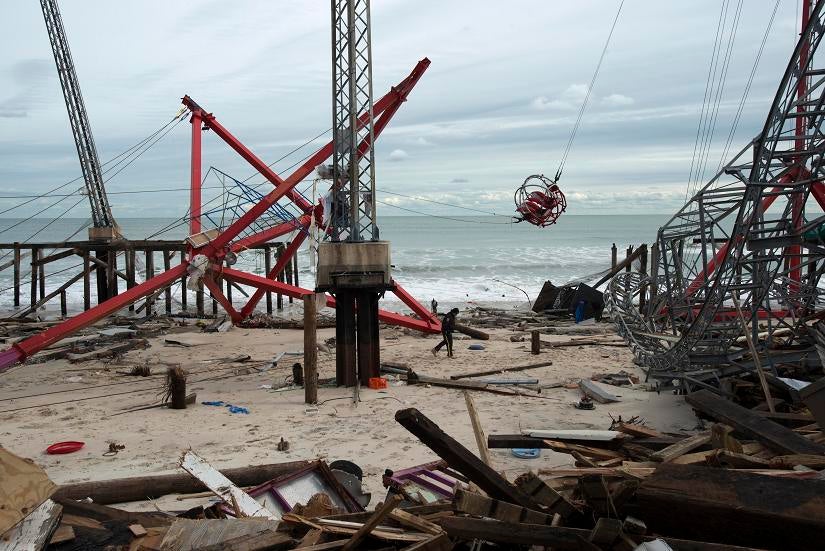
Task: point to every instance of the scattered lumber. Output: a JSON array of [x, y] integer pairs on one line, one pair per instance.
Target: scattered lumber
[[108, 351], [123, 490], [242, 503], [461, 459], [744, 421]]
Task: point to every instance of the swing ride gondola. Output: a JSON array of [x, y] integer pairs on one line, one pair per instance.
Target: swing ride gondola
[[539, 200]]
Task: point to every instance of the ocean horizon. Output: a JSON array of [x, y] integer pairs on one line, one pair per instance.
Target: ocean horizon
[[453, 259]]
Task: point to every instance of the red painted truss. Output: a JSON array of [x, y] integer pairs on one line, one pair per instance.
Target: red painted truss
[[227, 241]]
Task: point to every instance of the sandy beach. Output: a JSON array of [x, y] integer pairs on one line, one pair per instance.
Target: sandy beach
[[336, 428]]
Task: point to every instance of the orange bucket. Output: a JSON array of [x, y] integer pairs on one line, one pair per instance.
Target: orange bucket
[[377, 383]]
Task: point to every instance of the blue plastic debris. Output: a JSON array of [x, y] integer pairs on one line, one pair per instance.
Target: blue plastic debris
[[526, 453], [232, 409], [476, 347]]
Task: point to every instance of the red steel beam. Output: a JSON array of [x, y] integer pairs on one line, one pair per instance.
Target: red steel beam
[[25, 348], [271, 233], [386, 107], [218, 295], [285, 257], [260, 282], [195, 186]]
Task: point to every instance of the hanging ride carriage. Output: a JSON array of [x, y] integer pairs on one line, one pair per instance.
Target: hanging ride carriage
[[539, 201]]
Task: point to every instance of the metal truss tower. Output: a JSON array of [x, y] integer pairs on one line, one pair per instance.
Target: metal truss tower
[[752, 239], [79, 120], [353, 157], [353, 265]]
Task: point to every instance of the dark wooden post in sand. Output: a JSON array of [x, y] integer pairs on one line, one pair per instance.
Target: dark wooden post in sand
[[167, 293], [267, 269], [17, 274], [643, 287], [310, 350], [535, 341], [462, 460], [87, 282]]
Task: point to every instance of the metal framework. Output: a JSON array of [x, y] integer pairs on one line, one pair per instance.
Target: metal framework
[[233, 238], [353, 215], [749, 237], [79, 120]]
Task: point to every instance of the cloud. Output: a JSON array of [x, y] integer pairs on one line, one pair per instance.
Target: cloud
[[421, 140], [31, 77], [617, 100], [570, 98], [398, 155]]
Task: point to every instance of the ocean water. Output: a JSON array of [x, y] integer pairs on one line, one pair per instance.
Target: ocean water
[[454, 260]]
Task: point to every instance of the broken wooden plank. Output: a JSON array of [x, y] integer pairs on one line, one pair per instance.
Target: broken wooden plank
[[513, 533], [229, 534], [413, 521], [734, 507], [379, 515], [501, 370], [682, 447], [591, 389], [223, 487], [482, 506], [440, 542], [573, 434], [123, 490], [478, 432], [744, 421], [536, 488], [598, 453], [63, 534], [35, 530], [461, 459], [639, 431], [108, 350], [24, 487]]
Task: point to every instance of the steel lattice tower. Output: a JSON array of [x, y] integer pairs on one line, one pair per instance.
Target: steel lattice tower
[[81, 130], [353, 217]]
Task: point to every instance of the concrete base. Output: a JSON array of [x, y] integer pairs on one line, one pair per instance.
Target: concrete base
[[104, 234], [359, 265]]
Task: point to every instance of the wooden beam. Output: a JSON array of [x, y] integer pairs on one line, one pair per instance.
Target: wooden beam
[[498, 371], [478, 431], [744, 421], [734, 507], [461, 459], [379, 515], [682, 447], [123, 490], [310, 350]]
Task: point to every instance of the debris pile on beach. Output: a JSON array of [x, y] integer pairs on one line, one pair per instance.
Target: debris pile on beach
[[743, 483]]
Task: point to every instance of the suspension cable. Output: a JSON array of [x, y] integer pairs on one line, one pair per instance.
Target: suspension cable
[[587, 95]]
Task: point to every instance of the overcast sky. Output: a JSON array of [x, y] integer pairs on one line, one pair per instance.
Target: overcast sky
[[497, 104]]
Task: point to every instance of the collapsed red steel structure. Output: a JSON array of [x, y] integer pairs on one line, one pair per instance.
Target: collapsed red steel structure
[[227, 241]]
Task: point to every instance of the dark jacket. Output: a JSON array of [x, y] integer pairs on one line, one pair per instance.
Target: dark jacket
[[448, 323]]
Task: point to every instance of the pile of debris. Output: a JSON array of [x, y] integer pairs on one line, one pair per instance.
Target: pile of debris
[[746, 481]]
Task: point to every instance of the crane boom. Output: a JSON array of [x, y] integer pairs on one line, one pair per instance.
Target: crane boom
[[79, 120]]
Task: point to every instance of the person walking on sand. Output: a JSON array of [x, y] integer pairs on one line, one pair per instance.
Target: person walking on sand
[[447, 328]]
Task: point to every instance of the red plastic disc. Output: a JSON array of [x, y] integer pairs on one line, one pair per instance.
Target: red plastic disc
[[64, 447]]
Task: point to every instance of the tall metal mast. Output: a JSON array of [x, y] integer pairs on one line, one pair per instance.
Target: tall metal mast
[[81, 130], [353, 170], [354, 265]]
